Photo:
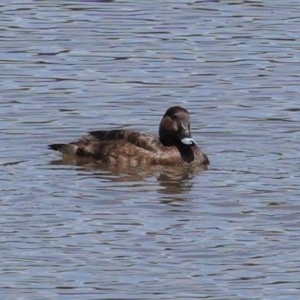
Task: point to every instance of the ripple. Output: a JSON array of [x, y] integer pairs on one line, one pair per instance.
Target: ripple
[[83, 231]]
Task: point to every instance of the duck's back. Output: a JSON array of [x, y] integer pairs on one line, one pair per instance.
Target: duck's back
[[124, 147], [137, 139]]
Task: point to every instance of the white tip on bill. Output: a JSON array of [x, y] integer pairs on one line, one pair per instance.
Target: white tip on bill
[[188, 141]]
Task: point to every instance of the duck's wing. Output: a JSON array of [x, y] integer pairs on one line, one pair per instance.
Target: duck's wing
[[111, 135], [114, 143], [142, 140]]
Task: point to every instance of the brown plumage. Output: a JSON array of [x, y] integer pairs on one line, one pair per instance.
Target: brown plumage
[[174, 147]]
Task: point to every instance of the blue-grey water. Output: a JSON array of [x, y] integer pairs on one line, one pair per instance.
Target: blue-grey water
[[81, 232]]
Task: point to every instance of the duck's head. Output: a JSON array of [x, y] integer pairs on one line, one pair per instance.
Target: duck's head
[[174, 128]]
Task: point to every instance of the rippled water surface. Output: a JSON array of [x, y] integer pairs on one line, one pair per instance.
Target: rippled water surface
[[82, 232]]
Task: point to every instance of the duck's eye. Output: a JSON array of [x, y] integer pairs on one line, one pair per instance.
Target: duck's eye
[[174, 117]]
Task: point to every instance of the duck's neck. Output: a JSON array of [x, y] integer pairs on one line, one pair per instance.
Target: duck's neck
[[166, 137], [186, 152], [168, 142]]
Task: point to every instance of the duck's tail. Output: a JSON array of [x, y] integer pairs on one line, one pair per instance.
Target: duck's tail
[[69, 149]]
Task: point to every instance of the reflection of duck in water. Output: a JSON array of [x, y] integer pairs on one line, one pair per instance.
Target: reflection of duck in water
[[174, 147]]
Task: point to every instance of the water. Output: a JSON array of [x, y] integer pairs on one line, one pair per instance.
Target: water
[[80, 232]]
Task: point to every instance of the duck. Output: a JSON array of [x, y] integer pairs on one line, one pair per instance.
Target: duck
[[173, 147]]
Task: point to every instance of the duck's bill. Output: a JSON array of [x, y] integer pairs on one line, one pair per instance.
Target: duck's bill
[[188, 141]]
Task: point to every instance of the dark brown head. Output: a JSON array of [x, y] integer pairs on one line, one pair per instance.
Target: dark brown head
[[174, 128]]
